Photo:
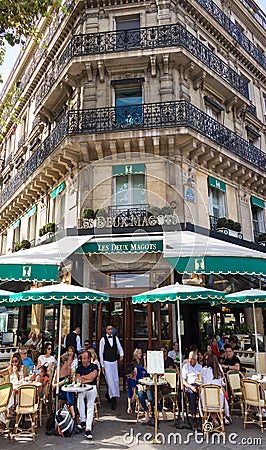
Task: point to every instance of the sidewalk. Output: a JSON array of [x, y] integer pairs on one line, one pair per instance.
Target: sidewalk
[[116, 430]]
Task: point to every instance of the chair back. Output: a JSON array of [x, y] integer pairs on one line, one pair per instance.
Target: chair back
[[5, 394], [171, 377], [27, 395], [251, 391], [212, 397], [234, 380]]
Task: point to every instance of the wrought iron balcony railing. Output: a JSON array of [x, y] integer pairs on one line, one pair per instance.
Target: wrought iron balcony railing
[[136, 117], [213, 223], [233, 30], [140, 39]]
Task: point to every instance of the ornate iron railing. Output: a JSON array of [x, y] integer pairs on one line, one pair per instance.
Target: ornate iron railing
[[136, 117], [233, 30], [137, 39], [213, 223], [255, 12], [252, 110]]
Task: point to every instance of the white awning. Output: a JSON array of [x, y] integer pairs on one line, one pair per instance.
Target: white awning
[[190, 252], [39, 263]]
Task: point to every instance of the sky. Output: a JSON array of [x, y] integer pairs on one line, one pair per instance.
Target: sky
[[12, 52]]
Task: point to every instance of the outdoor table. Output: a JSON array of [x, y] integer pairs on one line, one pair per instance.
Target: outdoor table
[[260, 378], [77, 390], [154, 382]]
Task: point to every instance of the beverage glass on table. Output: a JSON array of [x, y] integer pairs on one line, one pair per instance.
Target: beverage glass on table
[[198, 376]]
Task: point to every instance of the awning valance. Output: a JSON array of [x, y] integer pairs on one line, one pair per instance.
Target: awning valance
[[257, 202], [217, 183], [58, 190], [190, 252], [39, 263]]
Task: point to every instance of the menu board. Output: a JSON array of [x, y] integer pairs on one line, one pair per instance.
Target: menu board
[[155, 362]]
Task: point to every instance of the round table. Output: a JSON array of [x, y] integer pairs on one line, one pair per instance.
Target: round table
[[77, 389], [260, 378], [154, 382]]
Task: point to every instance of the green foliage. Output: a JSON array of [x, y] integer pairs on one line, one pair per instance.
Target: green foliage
[[48, 228], [223, 222], [23, 245], [154, 211], [224, 329], [242, 328], [100, 212], [166, 210], [88, 213]]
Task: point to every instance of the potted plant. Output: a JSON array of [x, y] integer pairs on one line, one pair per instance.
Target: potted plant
[[229, 227], [23, 245], [100, 212], [88, 213]]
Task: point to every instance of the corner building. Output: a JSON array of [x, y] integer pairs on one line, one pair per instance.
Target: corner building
[[131, 119]]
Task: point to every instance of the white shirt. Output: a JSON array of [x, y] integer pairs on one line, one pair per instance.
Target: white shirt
[[46, 360], [189, 373], [207, 377], [101, 348], [173, 354]]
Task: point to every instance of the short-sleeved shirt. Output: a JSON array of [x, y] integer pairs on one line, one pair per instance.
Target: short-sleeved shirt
[[46, 361], [82, 370], [189, 373], [28, 362], [232, 362], [169, 362]]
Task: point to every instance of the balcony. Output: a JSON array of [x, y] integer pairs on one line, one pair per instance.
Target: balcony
[[141, 39], [136, 117], [233, 30]]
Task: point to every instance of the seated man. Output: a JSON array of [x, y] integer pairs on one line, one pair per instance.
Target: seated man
[[231, 361], [87, 374], [167, 360], [133, 374], [190, 373]]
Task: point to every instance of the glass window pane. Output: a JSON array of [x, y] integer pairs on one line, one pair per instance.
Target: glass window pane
[[122, 190], [138, 196]]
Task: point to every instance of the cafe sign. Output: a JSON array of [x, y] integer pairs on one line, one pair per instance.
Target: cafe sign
[[123, 247], [131, 220]]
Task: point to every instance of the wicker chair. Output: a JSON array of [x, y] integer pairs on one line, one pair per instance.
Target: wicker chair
[[27, 405], [211, 404], [254, 401], [172, 378], [5, 394], [46, 398], [234, 378]]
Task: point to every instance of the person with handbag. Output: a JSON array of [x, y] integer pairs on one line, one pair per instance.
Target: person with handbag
[[110, 352]]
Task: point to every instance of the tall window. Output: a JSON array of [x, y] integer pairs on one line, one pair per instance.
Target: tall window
[[32, 228], [128, 101], [216, 202], [258, 216], [128, 32], [130, 190]]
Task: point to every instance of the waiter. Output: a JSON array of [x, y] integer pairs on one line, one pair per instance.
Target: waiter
[[110, 352]]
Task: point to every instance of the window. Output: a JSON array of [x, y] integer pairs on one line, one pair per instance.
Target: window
[[16, 233], [130, 190], [128, 32], [258, 216], [59, 211], [253, 136], [128, 101], [216, 202], [32, 226]]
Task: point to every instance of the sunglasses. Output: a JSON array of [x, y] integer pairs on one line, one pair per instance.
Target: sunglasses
[[23, 353], [15, 361], [49, 348]]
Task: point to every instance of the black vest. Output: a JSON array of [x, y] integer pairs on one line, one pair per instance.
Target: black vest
[[110, 353], [71, 340]]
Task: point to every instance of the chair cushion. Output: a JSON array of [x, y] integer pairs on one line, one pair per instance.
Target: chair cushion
[[26, 410], [255, 403]]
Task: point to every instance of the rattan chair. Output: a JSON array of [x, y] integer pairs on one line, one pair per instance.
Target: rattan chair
[[46, 397], [27, 405], [97, 401], [172, 378], [211, 404], [234, 378], [5, 394], [254, 402]]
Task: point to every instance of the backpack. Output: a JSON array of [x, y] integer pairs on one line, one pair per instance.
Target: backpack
[[65, 422]]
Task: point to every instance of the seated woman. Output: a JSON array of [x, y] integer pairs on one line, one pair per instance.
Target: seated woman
[[65, 372], [42, 378], [73, 359], [16, 371], [214, 347], [138, 359], [212, 373], [47, 359], [133, 374], [94, 358]]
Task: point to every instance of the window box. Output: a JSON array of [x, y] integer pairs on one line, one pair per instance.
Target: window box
[[229, 227]]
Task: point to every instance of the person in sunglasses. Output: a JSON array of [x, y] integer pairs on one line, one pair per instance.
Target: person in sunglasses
[[15, 370], [47, 359]]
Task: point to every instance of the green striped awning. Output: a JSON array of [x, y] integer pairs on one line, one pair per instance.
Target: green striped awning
[[257, 202], [218, 184], [129, 169]]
